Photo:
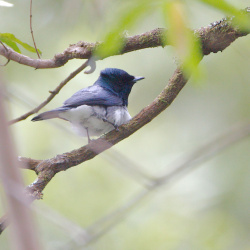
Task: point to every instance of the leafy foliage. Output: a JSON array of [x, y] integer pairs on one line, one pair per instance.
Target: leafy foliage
[[113, 41], [184, 41], [10, 40]]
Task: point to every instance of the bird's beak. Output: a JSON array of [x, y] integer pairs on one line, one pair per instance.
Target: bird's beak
[[138, 78]]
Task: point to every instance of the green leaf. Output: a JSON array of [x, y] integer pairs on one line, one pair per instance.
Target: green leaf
[[114, 39], [183, 39], [222, 5], [12, 41]]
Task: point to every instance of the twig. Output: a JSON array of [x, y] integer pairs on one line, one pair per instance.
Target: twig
[[4, 46], [31, 30], [6, 51], [27, 163], [53, 93]]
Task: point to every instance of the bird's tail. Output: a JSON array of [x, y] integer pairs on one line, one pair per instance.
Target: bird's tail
[[48, 115]]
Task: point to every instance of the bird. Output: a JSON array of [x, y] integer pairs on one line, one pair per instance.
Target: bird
[[100, 108]]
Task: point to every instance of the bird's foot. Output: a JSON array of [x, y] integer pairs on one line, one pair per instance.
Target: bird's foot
[[105, 120], [89, 140], [114, 125], [116, 128]]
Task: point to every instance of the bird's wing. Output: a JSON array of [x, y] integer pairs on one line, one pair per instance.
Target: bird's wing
[[93, 95]]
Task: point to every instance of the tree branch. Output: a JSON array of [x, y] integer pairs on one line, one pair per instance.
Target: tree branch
[[215, 37], [46, 169], [84, 50]]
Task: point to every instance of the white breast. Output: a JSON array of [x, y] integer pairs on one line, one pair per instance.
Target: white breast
[[118, 115], [91, 118]]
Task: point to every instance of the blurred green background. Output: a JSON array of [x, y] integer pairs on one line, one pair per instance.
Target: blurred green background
[[208, 208]]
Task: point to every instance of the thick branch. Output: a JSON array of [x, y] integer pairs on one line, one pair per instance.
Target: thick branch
[[216, 37]]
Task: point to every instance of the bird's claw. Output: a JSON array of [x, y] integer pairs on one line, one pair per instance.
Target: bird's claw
[[105, 120]]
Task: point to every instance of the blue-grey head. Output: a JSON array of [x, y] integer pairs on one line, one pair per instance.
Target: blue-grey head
[[118, 81]]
